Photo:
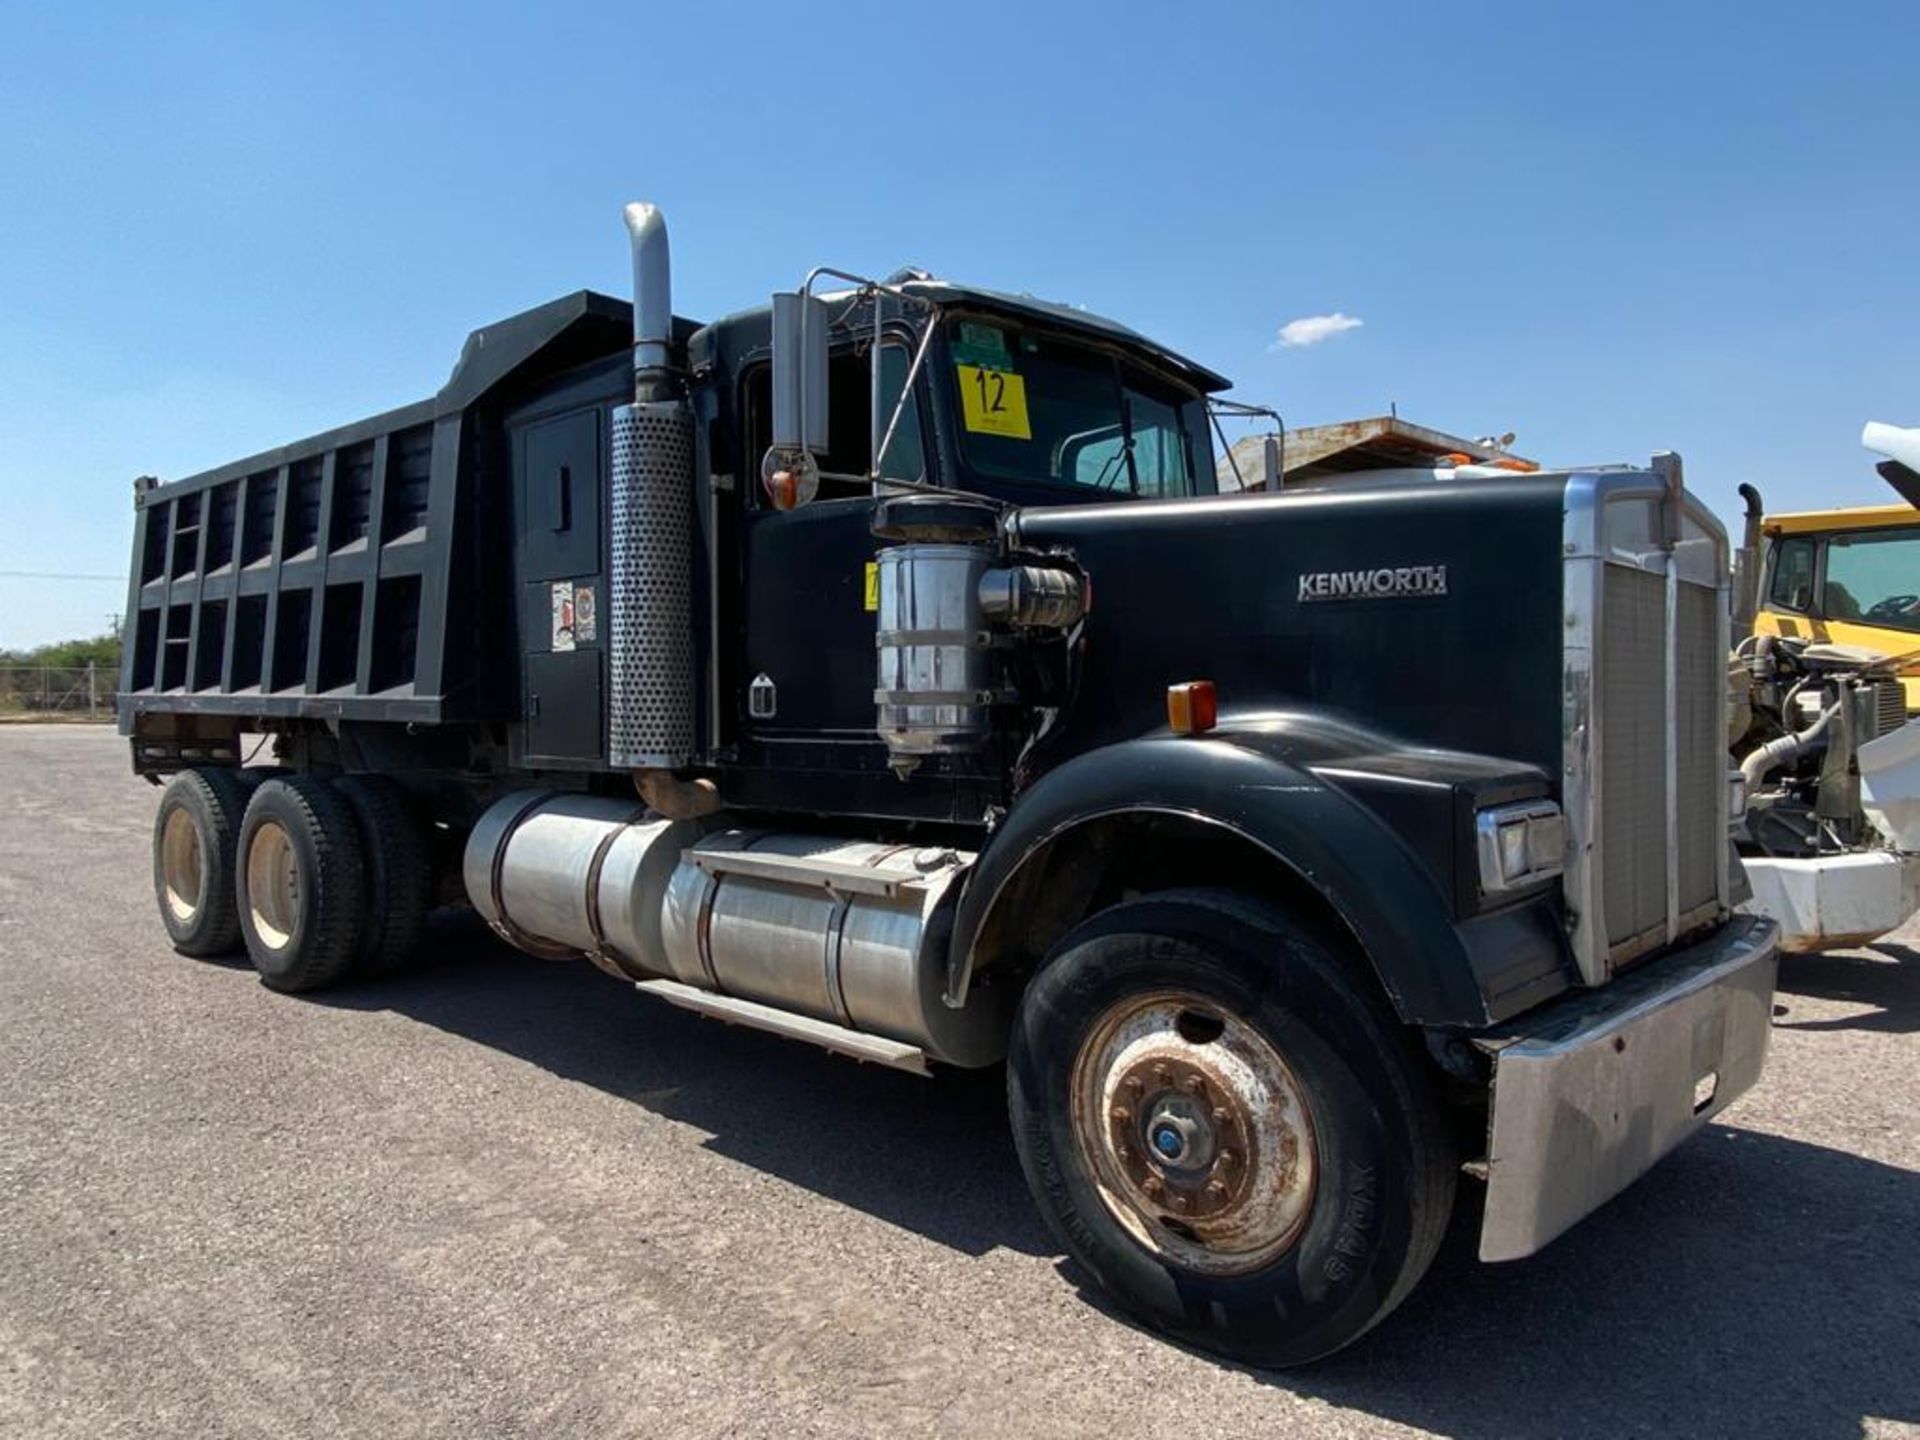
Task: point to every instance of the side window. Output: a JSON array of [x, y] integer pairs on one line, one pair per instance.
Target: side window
[[906, 457], [843, 469], [1792, 584], [1159, 448], [1873, 577]]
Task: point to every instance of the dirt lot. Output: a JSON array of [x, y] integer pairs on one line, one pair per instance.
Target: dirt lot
[[501, 1197]]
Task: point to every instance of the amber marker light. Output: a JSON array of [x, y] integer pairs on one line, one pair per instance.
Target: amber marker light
[[1191, 708]]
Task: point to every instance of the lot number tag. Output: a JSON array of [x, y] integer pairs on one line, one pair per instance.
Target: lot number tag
[[994, 402]]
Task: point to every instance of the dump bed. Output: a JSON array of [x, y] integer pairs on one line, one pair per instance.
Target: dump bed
[[346, 576]]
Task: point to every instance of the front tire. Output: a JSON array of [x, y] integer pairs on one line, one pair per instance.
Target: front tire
[[1224, 1130], [301, 884]]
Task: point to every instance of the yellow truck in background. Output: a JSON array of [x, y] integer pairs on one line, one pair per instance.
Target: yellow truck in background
[[1845, 577], [1826, 680]]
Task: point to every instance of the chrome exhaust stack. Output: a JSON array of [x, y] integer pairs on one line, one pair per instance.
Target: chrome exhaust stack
[[1746, 564], [650, 661], [652, 302]]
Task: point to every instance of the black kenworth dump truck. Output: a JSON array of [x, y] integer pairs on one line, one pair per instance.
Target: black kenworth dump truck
[[879, 668]]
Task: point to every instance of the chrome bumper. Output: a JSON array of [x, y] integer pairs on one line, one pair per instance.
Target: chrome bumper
[[1589, 1092]]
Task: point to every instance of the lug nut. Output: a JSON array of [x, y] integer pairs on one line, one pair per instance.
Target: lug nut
[[1162, 1073], [1179, 1203], [1216, 1189], [1221, 1115], [1121, 1113], [1227, 1157], [1193, 1084], [1152, 1185]]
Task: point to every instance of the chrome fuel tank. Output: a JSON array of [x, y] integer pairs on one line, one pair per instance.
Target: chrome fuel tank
[[851, 932], [565, 875]]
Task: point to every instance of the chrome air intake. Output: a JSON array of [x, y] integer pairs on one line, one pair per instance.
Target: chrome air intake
[[935, 680], [942, 594]]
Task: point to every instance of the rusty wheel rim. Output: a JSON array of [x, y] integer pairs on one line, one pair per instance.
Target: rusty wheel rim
[[1197, 1132], [182, 867], [273, 884]]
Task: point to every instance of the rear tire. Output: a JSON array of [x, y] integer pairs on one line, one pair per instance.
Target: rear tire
[[300, 884], [195, 832], [1235, 1140], [396, 866]]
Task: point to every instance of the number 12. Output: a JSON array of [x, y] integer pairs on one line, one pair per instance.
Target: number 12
[[991, 403]]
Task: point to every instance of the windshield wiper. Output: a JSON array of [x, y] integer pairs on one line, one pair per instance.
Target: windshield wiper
[[1126, 431], [1107, 471]]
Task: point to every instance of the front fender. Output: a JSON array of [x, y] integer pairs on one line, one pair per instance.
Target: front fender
[[1369, 877]]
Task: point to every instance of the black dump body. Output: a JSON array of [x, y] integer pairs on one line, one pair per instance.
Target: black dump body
[[339, 578]]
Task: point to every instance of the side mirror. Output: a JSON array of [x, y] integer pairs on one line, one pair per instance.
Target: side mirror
[[799, 373], [789, 471], [1270, 468]]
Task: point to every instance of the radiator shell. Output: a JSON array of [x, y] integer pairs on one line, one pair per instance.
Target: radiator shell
[[1644, 718]]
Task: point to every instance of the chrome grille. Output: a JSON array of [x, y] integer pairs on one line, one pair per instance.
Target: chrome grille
[[650, 636], [1633, 756], [1644, 723]]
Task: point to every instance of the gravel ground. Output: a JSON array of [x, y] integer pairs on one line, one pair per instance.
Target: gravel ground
[[502, 1197]]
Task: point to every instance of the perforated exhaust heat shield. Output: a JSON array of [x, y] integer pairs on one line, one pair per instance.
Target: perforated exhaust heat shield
[[650, 703]]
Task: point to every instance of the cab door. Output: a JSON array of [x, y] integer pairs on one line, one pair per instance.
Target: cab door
[[808, 649], [806, 652]]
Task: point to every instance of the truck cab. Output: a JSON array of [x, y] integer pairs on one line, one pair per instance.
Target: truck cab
[[1845, 577]]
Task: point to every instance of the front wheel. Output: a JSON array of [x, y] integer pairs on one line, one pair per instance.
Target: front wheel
[[1224, 1130]]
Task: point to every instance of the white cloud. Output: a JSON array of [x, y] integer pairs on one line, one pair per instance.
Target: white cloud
[[1312, 329]]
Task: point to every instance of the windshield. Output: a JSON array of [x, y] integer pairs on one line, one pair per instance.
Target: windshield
[[1040, 409], [1873, 576]]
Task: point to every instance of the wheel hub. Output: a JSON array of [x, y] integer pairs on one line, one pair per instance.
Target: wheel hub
[[1197, 1132], [273, 884], [181, 868]]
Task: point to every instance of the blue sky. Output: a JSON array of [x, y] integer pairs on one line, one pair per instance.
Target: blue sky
[[1609, 228]]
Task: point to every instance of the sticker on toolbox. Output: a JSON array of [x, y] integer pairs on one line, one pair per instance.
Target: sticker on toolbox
[[994, 402], [873, 585], [585, 622], [562, 616]]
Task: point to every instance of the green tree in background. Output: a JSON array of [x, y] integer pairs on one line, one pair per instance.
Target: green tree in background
[[101, 650]]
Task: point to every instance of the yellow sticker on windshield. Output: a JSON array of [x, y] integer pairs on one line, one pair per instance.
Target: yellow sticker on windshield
[[994, 402], [873, 586]]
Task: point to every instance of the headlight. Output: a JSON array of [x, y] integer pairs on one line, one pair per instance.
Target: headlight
[[1520, 844]]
